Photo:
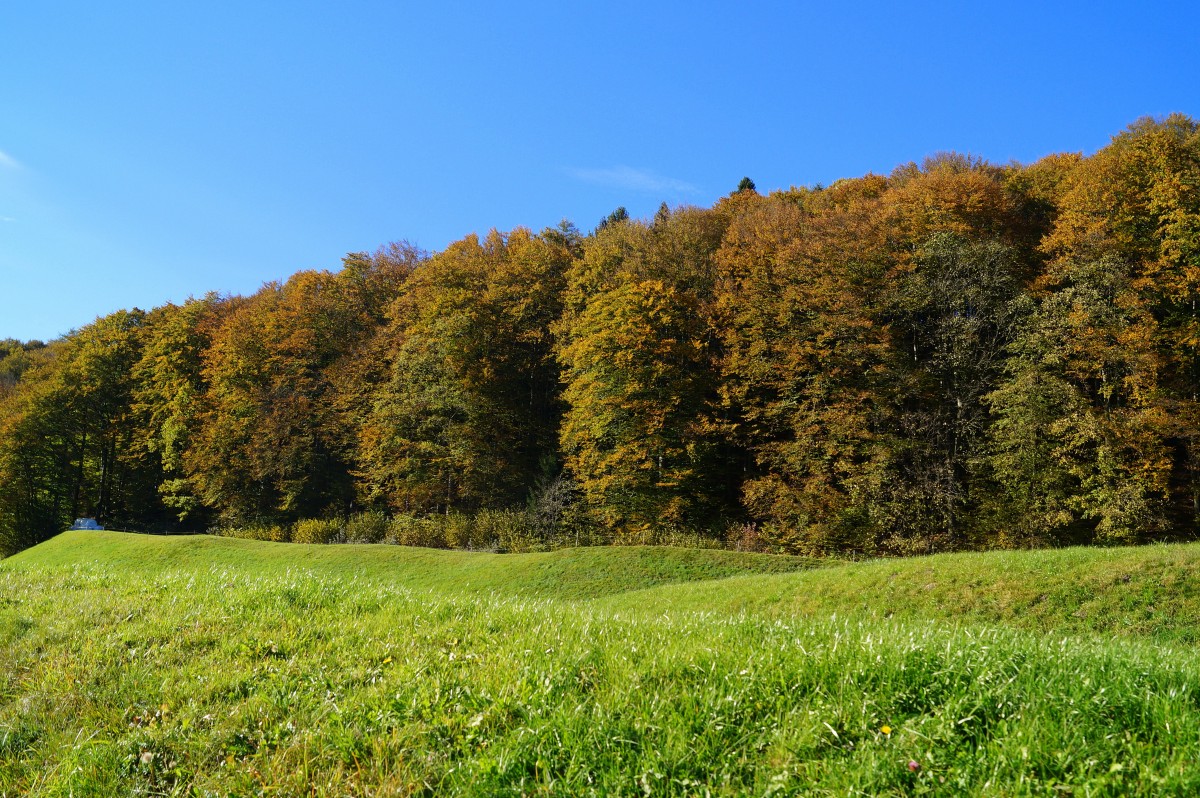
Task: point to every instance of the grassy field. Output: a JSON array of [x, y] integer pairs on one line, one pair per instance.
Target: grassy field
[[137, 665]]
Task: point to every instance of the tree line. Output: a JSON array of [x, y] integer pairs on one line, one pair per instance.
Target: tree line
[[956, 355]]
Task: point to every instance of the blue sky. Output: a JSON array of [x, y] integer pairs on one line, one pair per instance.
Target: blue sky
[[150, 151]]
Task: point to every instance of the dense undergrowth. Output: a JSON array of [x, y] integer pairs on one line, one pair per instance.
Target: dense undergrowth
[[209, 666], [491, 530]]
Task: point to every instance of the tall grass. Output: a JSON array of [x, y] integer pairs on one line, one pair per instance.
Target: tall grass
[[220, 681]]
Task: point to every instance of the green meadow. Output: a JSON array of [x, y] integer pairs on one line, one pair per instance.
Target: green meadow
[[200, 666]]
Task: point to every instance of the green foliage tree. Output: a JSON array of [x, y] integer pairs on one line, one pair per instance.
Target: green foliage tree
[[1137, 203], [616, 217], [468, 414], [168, 384], [633, 435], [637, 346], [951, 320], [66, 432], [16, 357], [1080, 449]]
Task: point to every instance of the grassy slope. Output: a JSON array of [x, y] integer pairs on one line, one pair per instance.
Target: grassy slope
[[1149, 592], [208, 666], [567, 574]]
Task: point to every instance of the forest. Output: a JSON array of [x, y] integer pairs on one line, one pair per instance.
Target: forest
[[957, 355]]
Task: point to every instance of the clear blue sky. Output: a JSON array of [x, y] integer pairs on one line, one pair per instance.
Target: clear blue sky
[[154, 150]]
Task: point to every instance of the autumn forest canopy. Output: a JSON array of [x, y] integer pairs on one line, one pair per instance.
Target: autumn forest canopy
[[958, 355]]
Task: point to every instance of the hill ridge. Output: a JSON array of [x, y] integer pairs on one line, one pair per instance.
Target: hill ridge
[[1150, 592]]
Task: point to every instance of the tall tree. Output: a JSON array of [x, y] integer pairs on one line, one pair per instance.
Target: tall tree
[[1137, 203], [168, 384], [638, 350], [468, 414], [65, 436], [1080, 446], [952, 318], [801, 363], [272, 439]]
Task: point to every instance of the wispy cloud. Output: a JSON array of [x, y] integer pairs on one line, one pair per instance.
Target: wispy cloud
[[7, 219], [8, 162], [631, 179]]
